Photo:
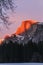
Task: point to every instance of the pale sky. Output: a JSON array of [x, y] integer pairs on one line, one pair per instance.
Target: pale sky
[[27, 9]]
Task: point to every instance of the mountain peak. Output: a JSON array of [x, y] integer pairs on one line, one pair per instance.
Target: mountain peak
[[28, 31], [25, 26]]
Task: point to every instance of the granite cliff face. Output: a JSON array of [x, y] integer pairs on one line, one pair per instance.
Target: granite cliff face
[[38, 35], [25, 26], [24, 47], [34, 34]]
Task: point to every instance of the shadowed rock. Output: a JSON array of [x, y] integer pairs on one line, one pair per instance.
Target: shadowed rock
[[26, 47]]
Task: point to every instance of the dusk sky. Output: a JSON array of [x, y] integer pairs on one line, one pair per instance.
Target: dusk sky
[[27, 9]]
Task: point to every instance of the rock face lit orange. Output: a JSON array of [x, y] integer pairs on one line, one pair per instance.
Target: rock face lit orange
[[1, 40], [25, 25], [7, 36]]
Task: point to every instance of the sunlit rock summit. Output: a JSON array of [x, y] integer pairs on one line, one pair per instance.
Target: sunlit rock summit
[[29, 30], [26, 45]]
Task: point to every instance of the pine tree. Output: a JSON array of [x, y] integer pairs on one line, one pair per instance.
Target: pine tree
[[6, 5]]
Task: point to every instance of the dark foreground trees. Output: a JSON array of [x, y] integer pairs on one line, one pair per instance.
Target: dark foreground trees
[[6, 5], [14, 52]]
